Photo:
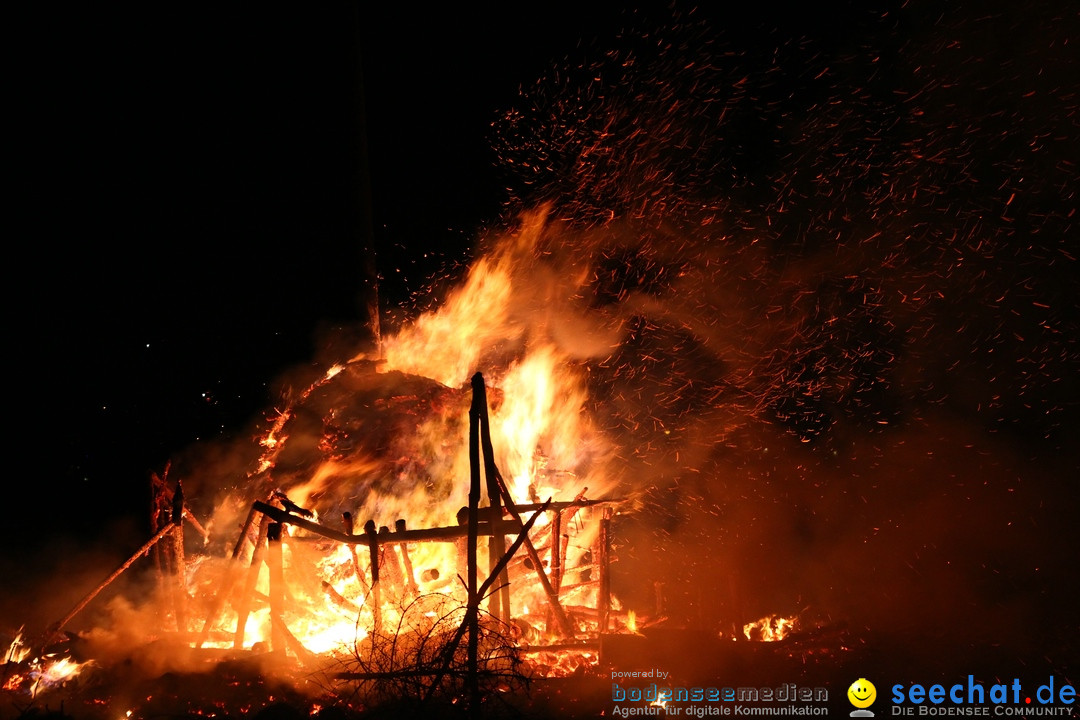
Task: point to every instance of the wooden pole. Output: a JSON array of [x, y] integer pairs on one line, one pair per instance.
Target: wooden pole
[[275, 559], [497, 487], [375, 595], [55, 630], [305, 656], [231, 576], [406, 561], [179, 564], [472, 680], [564, 546], [604, 557], [499, 605], [157, 508], [393, 577], [451, 647], [340, 600], [244, 606], [347, 522], [194, 522], [244, 532], [369, 278], [556, 550], [567, 521]]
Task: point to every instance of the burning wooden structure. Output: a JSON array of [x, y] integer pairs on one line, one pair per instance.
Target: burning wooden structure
[[389, 572], [378, 573]]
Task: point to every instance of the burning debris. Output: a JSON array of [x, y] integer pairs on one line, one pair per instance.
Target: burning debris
[[769, 628]]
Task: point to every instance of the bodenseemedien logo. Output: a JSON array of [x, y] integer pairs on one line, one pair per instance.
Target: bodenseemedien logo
[[862, 694], [668, 700]]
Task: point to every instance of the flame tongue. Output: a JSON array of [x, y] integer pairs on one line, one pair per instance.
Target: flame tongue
[[43, 673], [770, 628], [18, 650]]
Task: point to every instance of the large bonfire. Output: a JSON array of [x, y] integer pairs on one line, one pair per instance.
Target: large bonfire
[[386, 439]]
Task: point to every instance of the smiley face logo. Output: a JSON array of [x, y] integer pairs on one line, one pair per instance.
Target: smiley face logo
[[862, 693]]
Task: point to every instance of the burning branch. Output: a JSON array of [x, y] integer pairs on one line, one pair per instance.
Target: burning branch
[[423, 651]]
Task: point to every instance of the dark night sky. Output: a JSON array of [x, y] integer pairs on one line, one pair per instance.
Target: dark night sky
[[187, 222]]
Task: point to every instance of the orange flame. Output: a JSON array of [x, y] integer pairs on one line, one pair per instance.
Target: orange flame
[[18, 650], [769, 628]]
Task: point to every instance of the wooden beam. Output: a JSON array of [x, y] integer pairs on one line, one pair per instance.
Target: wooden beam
[[604, 558], [55, 630], [275, 560], [375, 595], [442, 534]]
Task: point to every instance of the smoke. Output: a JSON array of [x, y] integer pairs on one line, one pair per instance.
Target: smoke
[[58, 572]]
